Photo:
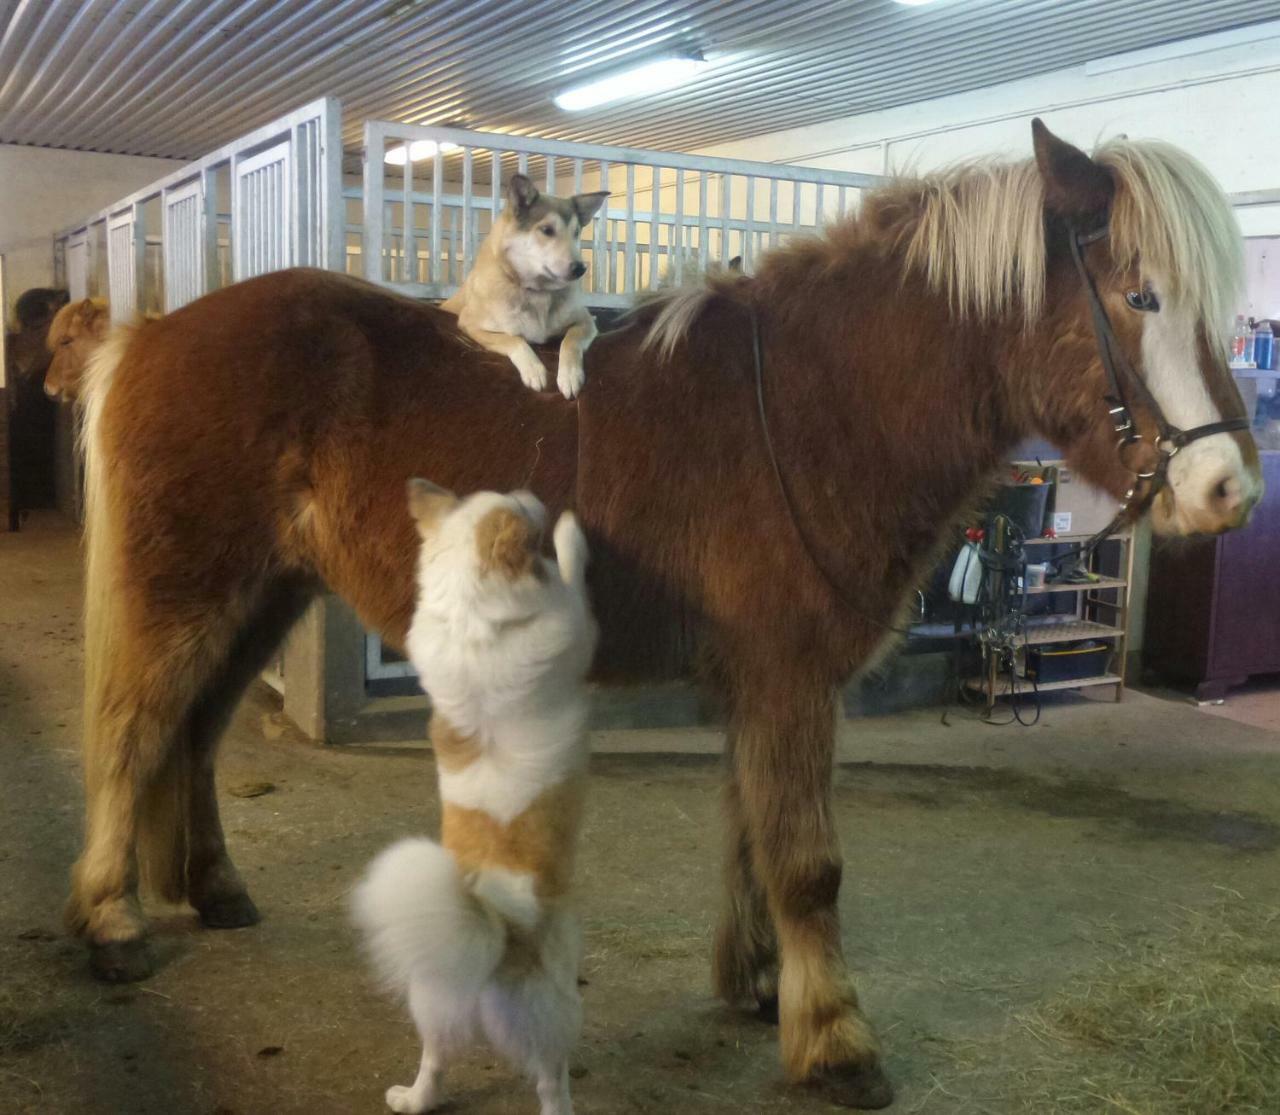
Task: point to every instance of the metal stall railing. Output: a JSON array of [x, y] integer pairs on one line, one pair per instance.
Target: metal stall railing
[[268, 200], [668, 212]]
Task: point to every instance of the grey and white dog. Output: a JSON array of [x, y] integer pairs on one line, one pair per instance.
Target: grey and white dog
[[524, 285]]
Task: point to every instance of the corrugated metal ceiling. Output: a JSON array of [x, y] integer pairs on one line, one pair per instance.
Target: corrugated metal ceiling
[[181, 77]]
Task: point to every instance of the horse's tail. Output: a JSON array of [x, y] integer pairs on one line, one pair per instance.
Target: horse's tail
[[161, 814]]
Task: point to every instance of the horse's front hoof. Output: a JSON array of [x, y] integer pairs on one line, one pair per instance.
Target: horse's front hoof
[[233, 912], [864, 1087], [122, 961]]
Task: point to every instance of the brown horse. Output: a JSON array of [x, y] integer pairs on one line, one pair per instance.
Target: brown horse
[[254, 446], [74, 335]]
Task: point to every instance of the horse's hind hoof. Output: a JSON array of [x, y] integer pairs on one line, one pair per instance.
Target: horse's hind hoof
[[122, 961], [864, 1087], [233, 912]]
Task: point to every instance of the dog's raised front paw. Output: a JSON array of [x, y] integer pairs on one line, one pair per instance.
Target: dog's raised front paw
[[407, 1101], [533, 373], [571, 377]]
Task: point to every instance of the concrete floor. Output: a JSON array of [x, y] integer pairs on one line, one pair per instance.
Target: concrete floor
[[984, 866]]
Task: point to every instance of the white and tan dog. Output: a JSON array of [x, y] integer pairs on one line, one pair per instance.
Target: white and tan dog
[[524, 285], [479, 932]]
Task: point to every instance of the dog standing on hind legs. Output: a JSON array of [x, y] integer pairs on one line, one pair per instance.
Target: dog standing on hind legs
[[524, 285], [478, 931]]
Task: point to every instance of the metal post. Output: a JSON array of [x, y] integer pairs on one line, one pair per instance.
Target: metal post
[[374, 153]]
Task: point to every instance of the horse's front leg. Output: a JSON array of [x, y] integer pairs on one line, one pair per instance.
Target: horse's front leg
[[782, 760]]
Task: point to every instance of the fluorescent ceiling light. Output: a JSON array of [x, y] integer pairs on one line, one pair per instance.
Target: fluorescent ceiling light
[[652, 77], [913, 3], [418, 150]]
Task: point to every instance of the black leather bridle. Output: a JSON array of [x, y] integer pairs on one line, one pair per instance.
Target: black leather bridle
[[1169, 439]]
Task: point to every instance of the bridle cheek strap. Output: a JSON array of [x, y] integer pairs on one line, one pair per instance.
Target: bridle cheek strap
[[1170, 438]]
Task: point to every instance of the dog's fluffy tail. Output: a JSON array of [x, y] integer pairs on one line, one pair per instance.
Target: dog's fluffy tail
[[425, 921]]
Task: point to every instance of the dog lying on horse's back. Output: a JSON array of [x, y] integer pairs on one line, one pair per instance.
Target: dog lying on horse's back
[[524, 285]]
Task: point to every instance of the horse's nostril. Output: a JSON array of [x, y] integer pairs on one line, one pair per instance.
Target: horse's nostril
[[1227, 496]]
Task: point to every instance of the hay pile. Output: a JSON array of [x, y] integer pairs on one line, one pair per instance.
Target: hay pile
[[1180, 1024]]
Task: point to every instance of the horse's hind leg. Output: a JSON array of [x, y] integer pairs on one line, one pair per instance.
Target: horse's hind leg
[[143, 679], [783, 759], [745, 964], [214, 886]]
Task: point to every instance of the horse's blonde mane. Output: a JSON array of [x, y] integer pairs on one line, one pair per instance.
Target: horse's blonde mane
[[976, 231], [980, 233]]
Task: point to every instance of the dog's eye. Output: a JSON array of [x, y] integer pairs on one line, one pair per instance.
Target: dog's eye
[[1144, 300], [548, 230]]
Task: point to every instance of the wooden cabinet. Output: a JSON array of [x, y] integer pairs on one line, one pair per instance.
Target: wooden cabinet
[[1213, 606]]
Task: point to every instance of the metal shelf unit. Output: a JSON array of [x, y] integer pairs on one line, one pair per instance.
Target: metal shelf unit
[[1101, 612]]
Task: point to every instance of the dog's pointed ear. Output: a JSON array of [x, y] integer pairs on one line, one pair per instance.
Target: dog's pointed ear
[[521, 192], [428, 503], [1075, 186], [588, 205]]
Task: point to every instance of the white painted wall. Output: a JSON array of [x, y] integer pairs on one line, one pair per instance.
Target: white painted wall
[[1262, 276], [43, 190], [1219, 104]]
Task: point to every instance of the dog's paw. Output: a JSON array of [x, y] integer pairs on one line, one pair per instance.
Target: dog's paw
[[568, 537], [571, 377], [406, 1101], [533, 373]]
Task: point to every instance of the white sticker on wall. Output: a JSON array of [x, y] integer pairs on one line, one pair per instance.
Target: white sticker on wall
[[1062, 522]]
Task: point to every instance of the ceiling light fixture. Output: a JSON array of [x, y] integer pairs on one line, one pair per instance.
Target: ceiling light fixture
[[651, 77], [913, 3], [416, 151]]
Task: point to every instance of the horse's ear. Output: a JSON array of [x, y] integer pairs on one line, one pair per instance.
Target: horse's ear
[[521, 191], [588, 205], [735, 264], [95, 317], [428, 502], [1074, 185]]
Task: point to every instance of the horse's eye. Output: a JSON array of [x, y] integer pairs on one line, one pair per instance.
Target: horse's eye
[[1143, 300]]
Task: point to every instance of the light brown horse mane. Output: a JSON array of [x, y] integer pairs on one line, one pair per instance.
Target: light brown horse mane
[[976, 231]]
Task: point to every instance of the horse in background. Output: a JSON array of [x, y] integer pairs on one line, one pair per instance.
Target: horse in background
[[74, 335], [32, 419], [744, 455]]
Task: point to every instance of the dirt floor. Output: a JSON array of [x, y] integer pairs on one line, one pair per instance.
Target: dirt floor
[[1000, 883]]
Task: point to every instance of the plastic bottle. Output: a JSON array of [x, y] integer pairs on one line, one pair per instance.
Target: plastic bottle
[[1238, 336], [1264, 345], [1248, 344]]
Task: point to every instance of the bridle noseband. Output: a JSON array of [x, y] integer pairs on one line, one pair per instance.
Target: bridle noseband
[[1169, 438]]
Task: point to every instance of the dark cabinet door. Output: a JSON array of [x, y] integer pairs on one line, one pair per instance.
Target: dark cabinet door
[[1246, 614]]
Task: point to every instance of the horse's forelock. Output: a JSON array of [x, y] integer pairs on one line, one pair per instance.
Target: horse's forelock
[[1172, 218]]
